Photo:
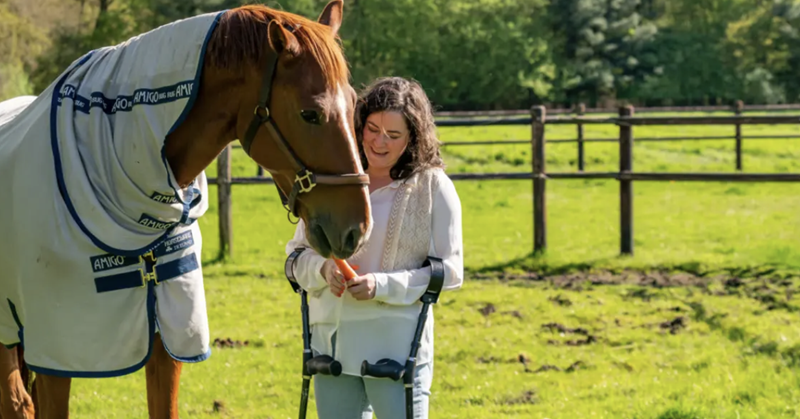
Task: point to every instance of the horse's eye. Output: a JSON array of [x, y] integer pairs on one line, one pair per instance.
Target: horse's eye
[[310, 116]]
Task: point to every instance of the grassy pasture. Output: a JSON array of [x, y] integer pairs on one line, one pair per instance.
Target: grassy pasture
[[698, 324]]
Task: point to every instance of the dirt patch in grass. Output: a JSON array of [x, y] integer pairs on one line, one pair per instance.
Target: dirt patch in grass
[[563, 330], [675, 325], [579, 279], [774, 289], [229, 343], [527, 397]]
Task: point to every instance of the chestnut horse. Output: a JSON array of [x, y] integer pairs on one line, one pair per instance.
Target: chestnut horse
[[279, 84]]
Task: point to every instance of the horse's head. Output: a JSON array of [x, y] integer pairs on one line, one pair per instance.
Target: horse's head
[[298, 125]]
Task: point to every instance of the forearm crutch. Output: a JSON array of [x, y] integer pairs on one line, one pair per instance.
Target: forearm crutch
[[389, 368], [321, 364]]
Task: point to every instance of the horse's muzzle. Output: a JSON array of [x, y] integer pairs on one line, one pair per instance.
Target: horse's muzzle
[[329, 240]]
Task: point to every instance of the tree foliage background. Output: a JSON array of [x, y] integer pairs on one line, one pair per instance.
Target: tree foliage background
[[478, 54]]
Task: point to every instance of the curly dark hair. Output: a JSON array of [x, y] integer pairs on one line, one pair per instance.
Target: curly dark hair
[[408, 98]]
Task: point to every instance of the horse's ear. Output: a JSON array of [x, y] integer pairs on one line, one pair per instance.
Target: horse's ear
[[282, 40], [332, 15]]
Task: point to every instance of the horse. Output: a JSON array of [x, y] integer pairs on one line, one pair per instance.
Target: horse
[[103, 176]]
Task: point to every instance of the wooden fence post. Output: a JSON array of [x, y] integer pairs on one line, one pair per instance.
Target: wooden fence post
[[626, 185], [738, 110], [538, 116], [581, 112], [224, 203]]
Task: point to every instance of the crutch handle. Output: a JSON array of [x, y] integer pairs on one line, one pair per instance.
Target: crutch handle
[[325, 365], [384, 368]]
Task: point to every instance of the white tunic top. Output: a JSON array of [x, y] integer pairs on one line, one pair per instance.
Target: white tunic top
[[371, 330]]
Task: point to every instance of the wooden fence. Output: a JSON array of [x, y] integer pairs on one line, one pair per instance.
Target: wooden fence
[[737, 110], [626, 121], [581, 109], [537, 119]]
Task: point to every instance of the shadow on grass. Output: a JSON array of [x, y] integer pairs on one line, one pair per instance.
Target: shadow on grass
[[538, 265], [751, 344], [219, 259]]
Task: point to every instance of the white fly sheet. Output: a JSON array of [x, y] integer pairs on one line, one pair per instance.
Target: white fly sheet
[[99, 246]]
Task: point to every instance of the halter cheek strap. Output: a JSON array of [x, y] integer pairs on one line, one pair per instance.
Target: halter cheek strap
[[305, 180]]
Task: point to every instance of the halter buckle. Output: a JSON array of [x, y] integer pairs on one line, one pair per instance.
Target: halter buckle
[[309, 178]]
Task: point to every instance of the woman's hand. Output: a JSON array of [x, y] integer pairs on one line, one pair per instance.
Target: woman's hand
[[362, 287], [333, 276]]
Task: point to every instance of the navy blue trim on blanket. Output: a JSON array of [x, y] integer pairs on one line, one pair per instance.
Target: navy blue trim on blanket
[[188, 206], [151, 222], [125, 103], [187, 109], [62, 187], [164, 199], [174, 243], [135, 279], [107, 262], [56, 102], [14, 313], [151, 315], [198, 196], [188, 360], [198, 72], [20, 327]]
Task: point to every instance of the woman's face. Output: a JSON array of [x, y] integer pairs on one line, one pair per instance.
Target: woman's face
[[386, 137]]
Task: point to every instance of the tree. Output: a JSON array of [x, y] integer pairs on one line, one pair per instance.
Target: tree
[[607, 48], [765, 44], [22, 41], [465, 53]]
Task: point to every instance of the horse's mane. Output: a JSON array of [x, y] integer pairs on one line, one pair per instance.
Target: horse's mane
[[241, 37]]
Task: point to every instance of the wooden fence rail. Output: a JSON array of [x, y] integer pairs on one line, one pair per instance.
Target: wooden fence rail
[[626, 175], [737, 107], [537, 119]]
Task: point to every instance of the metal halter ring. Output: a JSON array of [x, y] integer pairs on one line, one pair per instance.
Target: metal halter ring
[[266, 115]]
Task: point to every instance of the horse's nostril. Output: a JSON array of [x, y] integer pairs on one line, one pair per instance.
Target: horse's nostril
[[319, 234], [351, 241]]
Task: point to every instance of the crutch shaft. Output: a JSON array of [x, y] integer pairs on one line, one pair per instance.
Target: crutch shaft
[[304, 399], [410, 401]]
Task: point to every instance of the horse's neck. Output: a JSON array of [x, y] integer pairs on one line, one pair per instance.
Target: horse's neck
[[208, 128]]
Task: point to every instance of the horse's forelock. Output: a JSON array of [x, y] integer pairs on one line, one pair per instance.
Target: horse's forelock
[[241, 37]]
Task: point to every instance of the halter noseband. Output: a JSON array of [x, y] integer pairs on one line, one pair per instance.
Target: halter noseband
[[305, 180]]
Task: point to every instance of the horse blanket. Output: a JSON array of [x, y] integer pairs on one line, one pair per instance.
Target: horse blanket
[[100, 248]]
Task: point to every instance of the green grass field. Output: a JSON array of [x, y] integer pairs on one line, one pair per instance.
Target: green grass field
[[714, 338]]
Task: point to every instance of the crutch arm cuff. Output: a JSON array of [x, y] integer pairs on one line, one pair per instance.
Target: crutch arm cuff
[[431, 295], [288, 268]]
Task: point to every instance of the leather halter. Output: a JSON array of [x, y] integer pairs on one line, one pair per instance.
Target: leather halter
[[305, 180]]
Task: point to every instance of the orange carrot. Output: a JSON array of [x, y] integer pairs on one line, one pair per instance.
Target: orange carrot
[[347, 271]]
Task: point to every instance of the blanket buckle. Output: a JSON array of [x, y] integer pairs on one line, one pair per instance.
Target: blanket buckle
[[149, 270]]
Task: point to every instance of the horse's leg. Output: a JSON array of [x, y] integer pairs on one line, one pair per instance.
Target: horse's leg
[[28, 377], [15, 403], [24, 372], [52, 396], [163, 380]]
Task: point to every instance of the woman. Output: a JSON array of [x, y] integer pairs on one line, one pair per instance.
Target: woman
[[416, 213]]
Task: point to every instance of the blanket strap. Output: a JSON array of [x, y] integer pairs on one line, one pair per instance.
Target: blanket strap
[[151, 272]]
